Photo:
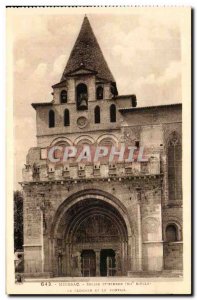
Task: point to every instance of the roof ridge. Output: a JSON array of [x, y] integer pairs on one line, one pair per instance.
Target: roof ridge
[[87, 51]]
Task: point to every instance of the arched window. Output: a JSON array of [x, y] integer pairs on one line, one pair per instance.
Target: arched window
[[97, 119], [66, 117], [63, 96], [51, 119], [112, 89], [112, 113], [174, 168], [171, 233], [82, 97], [99, 92]]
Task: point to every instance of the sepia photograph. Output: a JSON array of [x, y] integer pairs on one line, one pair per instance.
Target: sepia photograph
[[98, 120]]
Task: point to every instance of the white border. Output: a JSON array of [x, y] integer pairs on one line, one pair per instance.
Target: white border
[[4, 3]]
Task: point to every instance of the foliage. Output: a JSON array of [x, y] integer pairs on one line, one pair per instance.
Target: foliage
[[18, 221]]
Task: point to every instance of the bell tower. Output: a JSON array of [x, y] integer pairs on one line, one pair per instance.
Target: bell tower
[[86, 76], [86, 97]]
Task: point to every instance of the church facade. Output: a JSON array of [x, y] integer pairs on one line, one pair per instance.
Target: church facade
[[105, 218]]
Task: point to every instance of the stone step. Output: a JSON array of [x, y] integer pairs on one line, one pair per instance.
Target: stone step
[[164, 273], [38, 275]]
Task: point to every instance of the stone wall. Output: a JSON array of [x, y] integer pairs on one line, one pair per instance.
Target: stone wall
[[143, 193], [173, 256], [46, 198], [75, 127]]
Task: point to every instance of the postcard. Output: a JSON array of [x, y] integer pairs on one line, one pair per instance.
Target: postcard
[[99, 150]]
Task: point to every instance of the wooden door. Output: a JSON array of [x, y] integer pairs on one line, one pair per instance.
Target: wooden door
[[88, 263]]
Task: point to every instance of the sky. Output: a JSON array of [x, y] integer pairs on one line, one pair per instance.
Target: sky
[[143, 53]]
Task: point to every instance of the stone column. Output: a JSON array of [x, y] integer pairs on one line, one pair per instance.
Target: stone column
[[129, 246], [48, 254], [60, 261], [139, 239], [118, 263], [123, 258], [97, 252], [79, 263], [66, 260]]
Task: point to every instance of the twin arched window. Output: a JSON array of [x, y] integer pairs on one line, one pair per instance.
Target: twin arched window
[[51, 119], [63, 96], [113, 113], [97, 118]]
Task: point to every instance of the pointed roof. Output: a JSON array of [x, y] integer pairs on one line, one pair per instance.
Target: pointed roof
[[87, 52]]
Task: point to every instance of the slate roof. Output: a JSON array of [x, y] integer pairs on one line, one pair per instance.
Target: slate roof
[[87, 52]]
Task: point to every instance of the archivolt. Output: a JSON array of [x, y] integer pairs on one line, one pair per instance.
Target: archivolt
[[107, 137], [85, 138], [90, 194], [81, 217], [61, 140]]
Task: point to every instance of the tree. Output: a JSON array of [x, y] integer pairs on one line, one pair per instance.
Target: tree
[[18, 220]]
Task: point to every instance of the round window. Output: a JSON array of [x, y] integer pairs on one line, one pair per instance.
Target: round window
[[82, 122]]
